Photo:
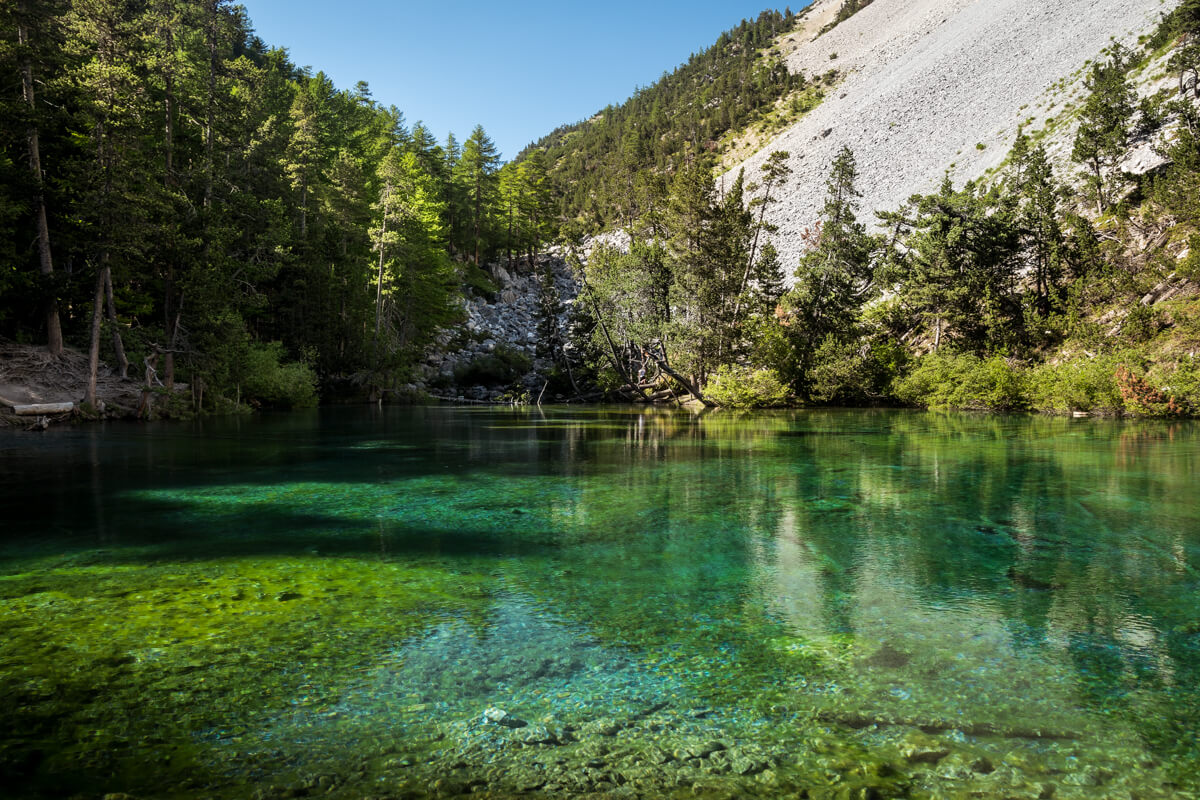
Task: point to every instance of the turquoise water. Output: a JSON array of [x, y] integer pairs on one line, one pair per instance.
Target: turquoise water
[[601, 602]]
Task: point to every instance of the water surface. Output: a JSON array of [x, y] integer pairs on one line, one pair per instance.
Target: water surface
[[414, 602]]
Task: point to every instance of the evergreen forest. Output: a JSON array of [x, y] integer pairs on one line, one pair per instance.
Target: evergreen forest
[[181, 201]]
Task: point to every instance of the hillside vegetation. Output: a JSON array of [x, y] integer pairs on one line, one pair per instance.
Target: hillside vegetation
[[1059, 285], [737, 81]]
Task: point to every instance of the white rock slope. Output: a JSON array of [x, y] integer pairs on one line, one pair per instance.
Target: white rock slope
[[931, 83]]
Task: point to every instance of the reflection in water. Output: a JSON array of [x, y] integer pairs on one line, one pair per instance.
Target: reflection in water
[[447, 600]]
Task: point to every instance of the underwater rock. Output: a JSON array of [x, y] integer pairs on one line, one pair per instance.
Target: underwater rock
[[603, 727], [501, 717], [920, 748], [983, 766], [1027, 581], [888, 657], [1087, 776], [447, 786], [538, 734], [748, 766]]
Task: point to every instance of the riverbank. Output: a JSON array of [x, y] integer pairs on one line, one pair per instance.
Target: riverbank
[[30, 376]]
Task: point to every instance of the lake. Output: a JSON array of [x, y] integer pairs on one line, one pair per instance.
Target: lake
[[617, 602]]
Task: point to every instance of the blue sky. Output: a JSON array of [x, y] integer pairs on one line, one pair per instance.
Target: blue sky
[[520, 68]]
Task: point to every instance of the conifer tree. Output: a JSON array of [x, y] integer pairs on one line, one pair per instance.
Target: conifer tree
[[1037, 194], [1104, 123], [416, 283], [477, 175], [960, 272], [30, 53], [835, 277]]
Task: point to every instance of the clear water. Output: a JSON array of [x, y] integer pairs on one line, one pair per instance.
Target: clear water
[[610, 602]]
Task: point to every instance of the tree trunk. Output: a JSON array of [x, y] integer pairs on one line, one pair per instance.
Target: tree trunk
[[737, 304], [478, 211], [665, 367], [170, 320], [118, 345], [612, 349], [213, 9], [387, 190], [510, 236], [94, 350], [54, 340], [172, 345]]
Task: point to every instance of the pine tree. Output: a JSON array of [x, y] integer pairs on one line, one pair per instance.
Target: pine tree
[[1104, 123], [1037, 195], [833, 279], [960, 274], [477, 174], [416, 284], [33, 24]]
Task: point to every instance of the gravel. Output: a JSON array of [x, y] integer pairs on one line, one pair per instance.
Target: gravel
[[937, 85]]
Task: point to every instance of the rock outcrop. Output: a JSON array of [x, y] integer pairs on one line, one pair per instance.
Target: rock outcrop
[[502, 325]]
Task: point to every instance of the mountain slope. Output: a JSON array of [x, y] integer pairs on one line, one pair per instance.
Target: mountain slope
[[936, 84]]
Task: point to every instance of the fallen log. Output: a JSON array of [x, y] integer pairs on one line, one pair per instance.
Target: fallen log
[[37, 409]]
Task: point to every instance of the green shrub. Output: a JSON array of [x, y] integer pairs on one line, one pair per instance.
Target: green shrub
[[479, 281], [853, 374], [265, 380], [962, 380], [1183, 382], [1141, 324], [1081, 384], [1189, 267], [498, 368], [745, 387]]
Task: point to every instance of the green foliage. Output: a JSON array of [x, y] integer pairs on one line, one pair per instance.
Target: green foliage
[[723, 88], [1183, 383], [1189, 267], [478, 281], [1105, 123], [1079, 384], [965, 381], [958, 270], [265, 379], [855, 373], [1141, 324], [834, 279], [733, 386], [499, 368], [236, 198], [477, 183]]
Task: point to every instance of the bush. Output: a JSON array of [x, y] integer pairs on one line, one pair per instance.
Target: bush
[[479, 281], [1184, 383], [267, 381], [1141, 398], [962, 380], [745, 387], [853, 374], [499, 368], [1085, 384]]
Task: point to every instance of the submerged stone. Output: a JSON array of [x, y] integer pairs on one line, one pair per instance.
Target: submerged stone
[[501, 717]]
